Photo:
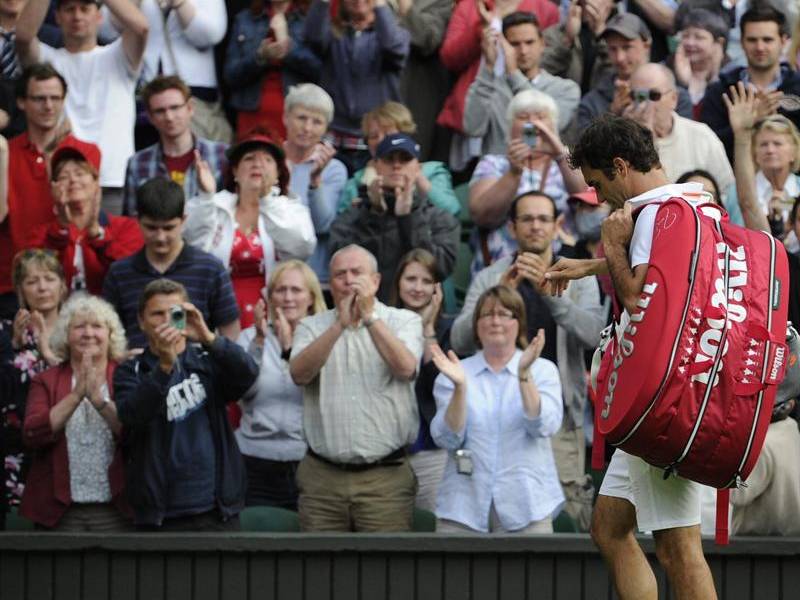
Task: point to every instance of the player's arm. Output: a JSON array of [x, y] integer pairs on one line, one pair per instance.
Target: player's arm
[[628, 283], [616, 235]]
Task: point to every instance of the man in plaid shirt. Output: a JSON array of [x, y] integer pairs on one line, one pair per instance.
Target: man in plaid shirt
[[169, 106]]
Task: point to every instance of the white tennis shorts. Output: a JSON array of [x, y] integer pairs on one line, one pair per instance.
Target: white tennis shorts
[[660, 503]]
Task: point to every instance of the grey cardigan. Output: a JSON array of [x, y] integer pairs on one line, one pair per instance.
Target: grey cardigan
[[272, 409], [579, 317], [488, 97]]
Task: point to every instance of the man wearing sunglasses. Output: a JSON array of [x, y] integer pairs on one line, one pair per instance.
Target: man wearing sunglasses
[[682, 144], [628, 41]]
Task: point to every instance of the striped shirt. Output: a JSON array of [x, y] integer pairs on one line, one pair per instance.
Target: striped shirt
[[356, 411], [205, 278]]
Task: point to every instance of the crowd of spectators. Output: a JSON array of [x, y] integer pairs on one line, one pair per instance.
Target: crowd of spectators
[[230, 234]]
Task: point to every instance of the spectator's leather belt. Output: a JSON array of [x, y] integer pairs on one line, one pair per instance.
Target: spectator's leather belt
[[390, 460]]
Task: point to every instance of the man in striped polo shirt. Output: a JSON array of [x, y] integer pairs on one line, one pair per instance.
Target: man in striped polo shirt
[[160, 206]]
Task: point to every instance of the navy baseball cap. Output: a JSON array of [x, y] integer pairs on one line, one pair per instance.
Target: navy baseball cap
[[397, 142]]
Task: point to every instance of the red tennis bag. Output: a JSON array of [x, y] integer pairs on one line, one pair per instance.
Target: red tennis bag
[[689, 383]]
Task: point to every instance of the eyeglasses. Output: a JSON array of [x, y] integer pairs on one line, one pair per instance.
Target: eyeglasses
[[501, 315], [45, 99], [531, 219], [160, 112], [639, 96]]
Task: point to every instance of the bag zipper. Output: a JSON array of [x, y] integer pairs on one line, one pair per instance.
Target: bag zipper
[[714, 368], [737, 480]]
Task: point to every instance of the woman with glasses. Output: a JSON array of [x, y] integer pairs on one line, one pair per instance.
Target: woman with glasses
[[25, 350], [418, 288], [536, 160], [76, 479], [702, 38], [495, 413]]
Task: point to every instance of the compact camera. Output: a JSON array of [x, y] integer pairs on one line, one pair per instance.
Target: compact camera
[[177, 317], [529, 134]]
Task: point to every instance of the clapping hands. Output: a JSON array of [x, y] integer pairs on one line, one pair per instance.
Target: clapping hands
[[449, 364]]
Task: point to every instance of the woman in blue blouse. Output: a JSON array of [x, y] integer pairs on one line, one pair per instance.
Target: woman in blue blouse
[[495, 413]]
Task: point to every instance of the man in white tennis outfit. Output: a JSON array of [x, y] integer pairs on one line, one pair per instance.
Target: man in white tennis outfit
[[617, 156]]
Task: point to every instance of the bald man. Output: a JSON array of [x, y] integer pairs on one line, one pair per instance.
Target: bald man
[[356, 363], [682, 144]]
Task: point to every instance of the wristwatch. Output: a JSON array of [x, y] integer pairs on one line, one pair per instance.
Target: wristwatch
[[369, 319]]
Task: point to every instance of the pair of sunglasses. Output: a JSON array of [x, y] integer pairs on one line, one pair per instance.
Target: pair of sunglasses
[[639, 96]]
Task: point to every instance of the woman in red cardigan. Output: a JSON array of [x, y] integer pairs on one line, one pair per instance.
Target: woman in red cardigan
[[76, 477]]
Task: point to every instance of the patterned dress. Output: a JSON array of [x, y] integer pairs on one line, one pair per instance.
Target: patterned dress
[[17, 368], [247, 273]]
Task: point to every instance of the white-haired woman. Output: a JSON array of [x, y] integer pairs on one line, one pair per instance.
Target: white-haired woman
[[76, 478], [536, 161], [316, 177]]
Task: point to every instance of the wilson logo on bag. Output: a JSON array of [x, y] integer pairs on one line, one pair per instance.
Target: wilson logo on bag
[[689, 383]]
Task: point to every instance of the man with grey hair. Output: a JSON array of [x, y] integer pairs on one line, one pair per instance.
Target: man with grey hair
[[356, 363], [317, 178], [510, 65], [683, 145]]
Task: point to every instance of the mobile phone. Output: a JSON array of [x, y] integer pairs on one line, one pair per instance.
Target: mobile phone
[[177, 317], [529, 134]]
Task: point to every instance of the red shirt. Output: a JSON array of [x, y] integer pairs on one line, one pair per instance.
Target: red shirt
[[29, 202], [178, 165], [121, 238]]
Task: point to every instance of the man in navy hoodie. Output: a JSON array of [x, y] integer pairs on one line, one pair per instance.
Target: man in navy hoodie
[[184, 469]]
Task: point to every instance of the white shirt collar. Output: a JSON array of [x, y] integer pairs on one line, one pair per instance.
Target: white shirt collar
[[512, 366], [692, 192]]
